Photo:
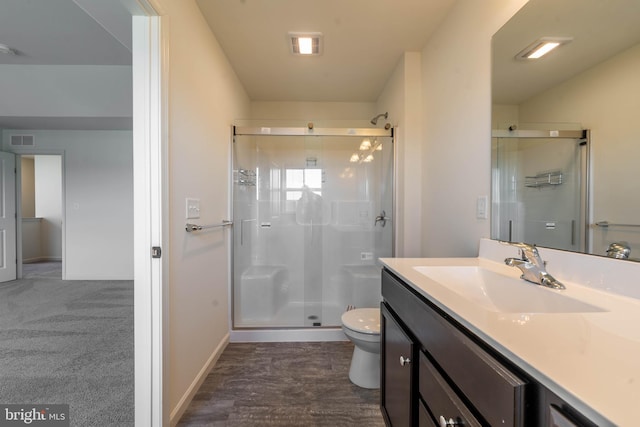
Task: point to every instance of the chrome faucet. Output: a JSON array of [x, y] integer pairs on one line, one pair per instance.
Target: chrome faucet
[[532, 266], [620, 250]]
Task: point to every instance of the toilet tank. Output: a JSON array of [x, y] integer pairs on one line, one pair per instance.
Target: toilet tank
[[365, 285]]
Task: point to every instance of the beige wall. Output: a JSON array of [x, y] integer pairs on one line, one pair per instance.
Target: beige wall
[[205, 96], [401, 98], [28, 185], [312, 111], [456, 112]]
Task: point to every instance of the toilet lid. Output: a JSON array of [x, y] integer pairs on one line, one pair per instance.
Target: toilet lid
[[364, 320]]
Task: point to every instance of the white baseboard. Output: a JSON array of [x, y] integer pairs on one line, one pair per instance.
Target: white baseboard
[[288, 335], [184, 402], [98, 277], [42, 259]]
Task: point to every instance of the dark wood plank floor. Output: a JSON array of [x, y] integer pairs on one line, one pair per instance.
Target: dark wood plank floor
[[283, 384]]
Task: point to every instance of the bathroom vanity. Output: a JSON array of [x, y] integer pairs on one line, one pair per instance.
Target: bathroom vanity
[[512, 354]]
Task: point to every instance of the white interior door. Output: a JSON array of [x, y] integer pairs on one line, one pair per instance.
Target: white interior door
[[7, 217]]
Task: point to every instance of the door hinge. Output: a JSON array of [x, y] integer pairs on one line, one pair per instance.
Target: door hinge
[[156, 252]]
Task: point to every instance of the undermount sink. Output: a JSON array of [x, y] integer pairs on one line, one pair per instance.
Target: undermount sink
[[504, 294]]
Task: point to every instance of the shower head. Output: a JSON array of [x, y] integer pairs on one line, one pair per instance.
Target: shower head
[[374, 121]]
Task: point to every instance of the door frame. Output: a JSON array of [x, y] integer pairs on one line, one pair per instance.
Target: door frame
[[19, 152], [151, 214]]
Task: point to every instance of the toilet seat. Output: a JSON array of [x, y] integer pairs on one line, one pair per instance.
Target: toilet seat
[[363, 320]]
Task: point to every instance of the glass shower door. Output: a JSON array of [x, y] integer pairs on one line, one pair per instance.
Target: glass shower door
[[306, 238]]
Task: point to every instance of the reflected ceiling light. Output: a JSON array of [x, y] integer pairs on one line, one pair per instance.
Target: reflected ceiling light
[[365, 145], [355, 158], [541, 47], [368, 159], [305, 43], [6, 49]]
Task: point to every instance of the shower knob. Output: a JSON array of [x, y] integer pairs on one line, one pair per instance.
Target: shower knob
[[404, 361]]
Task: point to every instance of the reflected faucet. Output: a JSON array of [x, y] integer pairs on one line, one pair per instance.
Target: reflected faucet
[[532, 266], [619, 250]]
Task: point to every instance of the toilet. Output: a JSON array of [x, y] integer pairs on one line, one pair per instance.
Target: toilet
[[362, 327]]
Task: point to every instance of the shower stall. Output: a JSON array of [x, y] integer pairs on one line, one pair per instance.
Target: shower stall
[[539, 187], [312, 213]]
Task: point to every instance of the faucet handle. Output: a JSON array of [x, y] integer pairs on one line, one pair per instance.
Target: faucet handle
[[527, 251]]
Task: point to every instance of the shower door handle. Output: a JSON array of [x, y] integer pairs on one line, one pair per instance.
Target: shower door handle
[[382, 218]]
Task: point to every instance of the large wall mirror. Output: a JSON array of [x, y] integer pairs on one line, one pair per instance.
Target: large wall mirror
[[566, 128]]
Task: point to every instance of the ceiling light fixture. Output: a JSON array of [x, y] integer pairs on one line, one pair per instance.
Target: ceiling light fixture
[[365, 145], [6, 49], [305, 43], [542, 46]]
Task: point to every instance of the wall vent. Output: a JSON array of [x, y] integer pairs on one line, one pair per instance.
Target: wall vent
[[23, 141]]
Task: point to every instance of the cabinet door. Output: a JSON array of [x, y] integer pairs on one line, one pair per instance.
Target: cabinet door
[[396, 359]]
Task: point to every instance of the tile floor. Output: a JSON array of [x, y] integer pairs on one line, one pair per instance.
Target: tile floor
[[283, 384]]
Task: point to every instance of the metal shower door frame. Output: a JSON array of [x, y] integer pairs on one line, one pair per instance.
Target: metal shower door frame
[[301, 131]]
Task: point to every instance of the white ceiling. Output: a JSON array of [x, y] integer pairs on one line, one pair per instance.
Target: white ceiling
[[363, 42], [62, 32], [600, 29], [65, 32]]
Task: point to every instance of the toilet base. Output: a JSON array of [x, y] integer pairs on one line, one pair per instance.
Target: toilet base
[[365, 369]]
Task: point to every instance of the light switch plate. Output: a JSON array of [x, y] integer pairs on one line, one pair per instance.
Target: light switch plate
[[193, 208], [481, 207]]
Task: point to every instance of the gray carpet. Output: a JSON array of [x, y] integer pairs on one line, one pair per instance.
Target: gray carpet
[[68, 342]]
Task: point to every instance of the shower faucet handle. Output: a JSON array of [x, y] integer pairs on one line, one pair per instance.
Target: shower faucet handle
[[383, 218]]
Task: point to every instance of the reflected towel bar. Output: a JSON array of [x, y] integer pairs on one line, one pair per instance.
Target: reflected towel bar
[[195, 227], [611, 224]]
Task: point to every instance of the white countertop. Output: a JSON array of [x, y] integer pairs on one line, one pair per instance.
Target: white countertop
[[589, 359]]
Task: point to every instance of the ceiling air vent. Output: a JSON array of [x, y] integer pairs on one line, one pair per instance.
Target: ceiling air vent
[[23, 141], [305, 43]]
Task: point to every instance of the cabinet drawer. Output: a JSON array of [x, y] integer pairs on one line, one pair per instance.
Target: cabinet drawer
[[424, 419], [440, 398], [558, 419], [495, 392]]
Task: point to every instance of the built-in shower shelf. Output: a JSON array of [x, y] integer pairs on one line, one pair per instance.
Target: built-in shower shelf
[[543, 179], [244, 177]]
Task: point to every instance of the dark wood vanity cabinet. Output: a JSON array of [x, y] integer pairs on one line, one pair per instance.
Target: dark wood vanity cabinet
[[398, 376], [434, 372]]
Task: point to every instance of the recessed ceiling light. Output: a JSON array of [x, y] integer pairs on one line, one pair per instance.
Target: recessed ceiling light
[[6, 49], [542, 46], [305, 43]]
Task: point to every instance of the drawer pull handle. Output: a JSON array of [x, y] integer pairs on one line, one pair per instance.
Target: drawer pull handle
[[404, 361], [445, 423]]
